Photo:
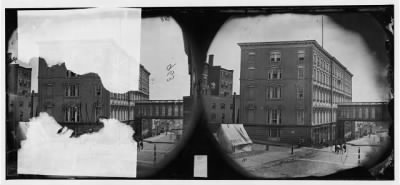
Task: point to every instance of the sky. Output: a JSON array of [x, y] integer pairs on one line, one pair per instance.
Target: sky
[[162, 45], [105, 41], [348, 46]]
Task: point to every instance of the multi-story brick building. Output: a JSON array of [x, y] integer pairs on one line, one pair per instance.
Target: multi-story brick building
[[71, 98], [289, 91], [21, 102], [216, 94], [219, 80]]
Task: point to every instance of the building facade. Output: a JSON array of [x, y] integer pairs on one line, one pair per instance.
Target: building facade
[[290, 90], [216, 94], [72, 98], [122, 104], [144, 86], [21, 101]]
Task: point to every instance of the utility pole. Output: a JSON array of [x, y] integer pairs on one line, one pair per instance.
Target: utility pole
[[234, 108], [32, 102], [322, 26]]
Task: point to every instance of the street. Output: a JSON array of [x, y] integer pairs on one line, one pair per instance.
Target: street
[[278, 162], [163, 144]]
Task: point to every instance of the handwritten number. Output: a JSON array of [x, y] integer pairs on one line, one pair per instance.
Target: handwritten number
[[170, 74]]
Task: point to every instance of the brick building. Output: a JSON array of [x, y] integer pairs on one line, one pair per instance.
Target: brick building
[[72, 98], [21, 102], [216, 94], [290, 90]]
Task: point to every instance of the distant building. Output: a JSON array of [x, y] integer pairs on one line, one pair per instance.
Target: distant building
[[71, 98], [122, 104], [21, 101], [289, 91], [219, 79], [216, 95], [149, 114], [216, 81], [144, 86]]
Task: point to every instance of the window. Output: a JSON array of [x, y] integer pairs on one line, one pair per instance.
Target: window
[[250, 74], [169, 107], [213, 116], [300, 56], [373, 113], [71, 74], [251, 92], [49, 90], [21, 104], [273, 92], [300, 117], [231, 106], [314, 74], [98, 90], [274, 74], [273, 117], [72, 114], [72, 90], [300, 93], [213, 106], [274, 132], [250, 115], [223, 118], [300, 72], [21, 115], [314, 59], [222, 105], [275, 57]]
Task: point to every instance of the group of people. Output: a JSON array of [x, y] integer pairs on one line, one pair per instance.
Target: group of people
[[340, 148]]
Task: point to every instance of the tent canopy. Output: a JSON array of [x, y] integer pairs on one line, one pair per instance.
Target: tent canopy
[[235, 134]]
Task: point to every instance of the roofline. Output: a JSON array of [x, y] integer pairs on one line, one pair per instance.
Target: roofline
[[20, 66], [314, 42], [142, 66], [231, 70]]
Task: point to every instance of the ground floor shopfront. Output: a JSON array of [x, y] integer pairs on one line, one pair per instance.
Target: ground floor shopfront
[[325, 134]]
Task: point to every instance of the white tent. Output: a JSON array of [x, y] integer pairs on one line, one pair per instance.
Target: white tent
[[233, 138]]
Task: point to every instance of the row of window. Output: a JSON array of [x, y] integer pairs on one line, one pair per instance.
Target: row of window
[[214, 117], [161, 110], [275, 73], [222, 106], [321, 63], [122, 113], [275, 57], [321, 95], [24, 83], [72, 114], [21, 104], [323, 116], [321, 77], [274, 116], [72, 90], [365, 113], [274, 92]]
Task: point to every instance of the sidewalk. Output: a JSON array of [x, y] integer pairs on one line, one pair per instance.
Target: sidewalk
[[170, 137], [258, 158]]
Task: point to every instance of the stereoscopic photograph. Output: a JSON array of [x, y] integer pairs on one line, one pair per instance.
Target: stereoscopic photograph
[[183, 93]]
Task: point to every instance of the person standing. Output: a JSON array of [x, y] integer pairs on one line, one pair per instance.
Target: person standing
[[344, 147]]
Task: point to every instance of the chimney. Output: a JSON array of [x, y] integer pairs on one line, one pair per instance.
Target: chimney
[[211, 60]]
